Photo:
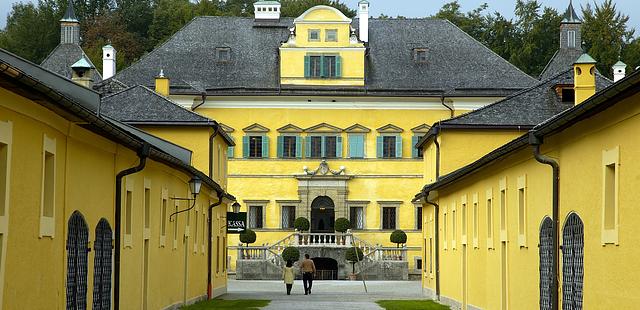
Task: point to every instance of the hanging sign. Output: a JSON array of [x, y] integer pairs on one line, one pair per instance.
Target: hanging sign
[[236, 222]]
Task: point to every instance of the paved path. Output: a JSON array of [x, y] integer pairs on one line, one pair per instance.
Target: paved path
[[331, 295]]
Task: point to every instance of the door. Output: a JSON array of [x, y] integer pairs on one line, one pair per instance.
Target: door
[[503, 269], [572, 263], [322, 214], [77, 242], [102, 266], [546, 264]]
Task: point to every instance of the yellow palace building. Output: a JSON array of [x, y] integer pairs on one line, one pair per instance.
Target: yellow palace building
[[325, 111], [536, 221], [93, 212]]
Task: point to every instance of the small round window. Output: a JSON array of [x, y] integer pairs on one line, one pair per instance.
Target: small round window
[[578, 71], [592, 71]]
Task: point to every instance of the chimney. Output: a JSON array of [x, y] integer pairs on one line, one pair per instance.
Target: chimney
[[584, 78], [266, 10], [162, 84], [363, 20], [619, 71], [108, 62], [82, 73]]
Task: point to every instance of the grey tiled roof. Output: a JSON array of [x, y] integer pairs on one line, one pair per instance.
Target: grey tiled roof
[[65, 55], [140, 105], [109, 87], [562, 60], [457, 64], [524, 109]]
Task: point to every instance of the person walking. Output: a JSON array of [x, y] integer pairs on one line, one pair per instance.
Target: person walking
[[287, 276], [308, 270]]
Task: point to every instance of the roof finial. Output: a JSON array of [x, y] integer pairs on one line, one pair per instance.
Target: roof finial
[[161, 73]]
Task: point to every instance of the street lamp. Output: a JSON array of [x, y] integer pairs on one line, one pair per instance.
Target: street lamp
[[235, 207], [194, 185]]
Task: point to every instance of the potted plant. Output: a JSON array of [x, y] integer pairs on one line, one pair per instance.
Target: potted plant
[[291, 254], [398, 237], [301, 224], [247, 237], [353, 255], [341, 226]]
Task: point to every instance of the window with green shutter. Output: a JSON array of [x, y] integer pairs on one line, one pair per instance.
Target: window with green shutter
[[255, 147], [288, 146], [389, 146], [356, 146], [230, 151], [322, 66], [324, 147], [415, 152]]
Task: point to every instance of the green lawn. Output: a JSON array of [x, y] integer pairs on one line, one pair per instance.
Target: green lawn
[[411, 305], [228, 304]]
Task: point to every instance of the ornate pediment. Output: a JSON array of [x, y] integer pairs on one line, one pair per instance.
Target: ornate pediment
[[226, 128], [390, 129], [256, 128], [323, 169], [323, 128], [290, 129], [424, 128], [357, 128]]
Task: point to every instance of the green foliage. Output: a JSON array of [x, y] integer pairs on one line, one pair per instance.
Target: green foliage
[[411, 305], [398, 237], [605, 31], [291, 254], [246, 304], [248, 236], [342, 225], [295, 8], [352, 256], [301, 224]]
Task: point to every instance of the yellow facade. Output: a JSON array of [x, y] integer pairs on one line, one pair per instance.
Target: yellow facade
[[597, 184], [331, 37], [36, 144]]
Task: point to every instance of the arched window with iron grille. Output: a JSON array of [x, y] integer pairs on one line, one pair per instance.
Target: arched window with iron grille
[[572, 262], [77, 250], [102, 266], [546, 263]]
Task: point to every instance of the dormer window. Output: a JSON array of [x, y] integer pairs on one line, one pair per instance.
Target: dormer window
[[331, 35], [314, 35], [322, 66], [223, 54], [420, 55]]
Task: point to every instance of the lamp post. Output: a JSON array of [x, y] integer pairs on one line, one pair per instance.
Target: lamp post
[[194, 186]]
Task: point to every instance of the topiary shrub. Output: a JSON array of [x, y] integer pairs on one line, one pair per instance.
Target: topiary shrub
[[398, 237], [248, 236], [353, 255], [291, 254], [301, 224], [342, 225]]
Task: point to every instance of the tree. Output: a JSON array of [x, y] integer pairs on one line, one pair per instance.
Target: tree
[[248, 236], [301, 224], [353, 255], [398, 237], [19, 36], [631, 54], [291, 254], [168, 17], [605, 31], [342, 225], [295, 8]]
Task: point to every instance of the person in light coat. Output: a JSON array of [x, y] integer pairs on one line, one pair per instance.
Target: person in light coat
[[288, 276]]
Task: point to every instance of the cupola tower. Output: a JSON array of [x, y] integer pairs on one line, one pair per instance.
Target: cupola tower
[[69, 26]]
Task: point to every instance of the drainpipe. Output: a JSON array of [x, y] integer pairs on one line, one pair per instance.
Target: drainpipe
[[536, 141], [204, 99], [436, 241], [451, 113], [435, 141], [211, 138], [219, 202], [143, 153]]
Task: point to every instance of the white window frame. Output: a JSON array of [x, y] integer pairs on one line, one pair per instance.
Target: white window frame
[[327, 32], [420, 220], [610, 157], [319, 35], [257, 203], [127, 239], [522, 211], [282, 208], [48, 224], [390, 204], [359, 204]]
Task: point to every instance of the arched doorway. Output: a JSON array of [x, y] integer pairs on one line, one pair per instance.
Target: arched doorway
[[77, 242], [572, 262], [102, 266], [326, 268], [322, 214], [546, 263]]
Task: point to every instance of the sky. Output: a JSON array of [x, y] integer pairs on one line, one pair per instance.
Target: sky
[[421, 8]]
